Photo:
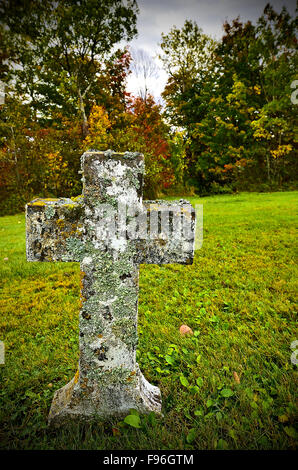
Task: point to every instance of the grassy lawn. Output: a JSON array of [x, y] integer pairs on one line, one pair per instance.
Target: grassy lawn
[[238, 297]]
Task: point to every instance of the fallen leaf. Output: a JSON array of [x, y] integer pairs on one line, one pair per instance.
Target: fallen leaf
[[236, 377], [185, 330]]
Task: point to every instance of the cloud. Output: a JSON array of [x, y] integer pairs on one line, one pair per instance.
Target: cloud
[[159, 16]]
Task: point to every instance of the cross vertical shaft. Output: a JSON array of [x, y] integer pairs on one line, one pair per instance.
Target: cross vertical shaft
[[109, 381], [110, 276]]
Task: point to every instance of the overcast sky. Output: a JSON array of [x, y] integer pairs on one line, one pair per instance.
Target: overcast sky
[[158, 16]]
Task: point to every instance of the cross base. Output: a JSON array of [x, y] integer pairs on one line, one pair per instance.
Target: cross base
[[70, 403]]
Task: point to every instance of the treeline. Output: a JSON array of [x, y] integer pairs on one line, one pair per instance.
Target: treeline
[[228, 122]]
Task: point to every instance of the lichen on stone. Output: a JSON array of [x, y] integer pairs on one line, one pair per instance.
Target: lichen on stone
[[75, 250], [126, 330], [49, 212]]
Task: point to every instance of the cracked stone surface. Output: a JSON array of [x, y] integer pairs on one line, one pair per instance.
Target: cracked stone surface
[[110, 231]]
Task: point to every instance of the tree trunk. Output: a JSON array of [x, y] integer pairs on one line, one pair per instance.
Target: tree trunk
[[268, 166], [83, 114], [17, 171]]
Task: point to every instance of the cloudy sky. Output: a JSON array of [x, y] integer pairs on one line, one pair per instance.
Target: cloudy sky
[[157, 16]]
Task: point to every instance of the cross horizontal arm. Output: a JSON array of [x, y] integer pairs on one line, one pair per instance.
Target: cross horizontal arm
[[54, 229]]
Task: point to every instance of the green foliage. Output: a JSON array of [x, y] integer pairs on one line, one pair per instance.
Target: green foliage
[[232, 98], [187, 57], [133, 419], [239, 298], [66, 62], [60, 46], [36, 161]]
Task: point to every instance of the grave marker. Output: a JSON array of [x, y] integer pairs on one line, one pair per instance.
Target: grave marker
[[110, 231]]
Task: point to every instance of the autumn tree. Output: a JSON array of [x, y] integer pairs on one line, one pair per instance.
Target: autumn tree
[[274, 124], [263, 57], [58, 60], [59, 47], [233, 101], [144, 131], [187, 56]]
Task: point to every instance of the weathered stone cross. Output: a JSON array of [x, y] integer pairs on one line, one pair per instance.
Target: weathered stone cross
[[110, 232]]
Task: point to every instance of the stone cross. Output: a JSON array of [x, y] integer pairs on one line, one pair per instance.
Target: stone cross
[[110, 231]]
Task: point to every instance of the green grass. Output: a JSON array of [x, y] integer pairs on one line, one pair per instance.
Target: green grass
[[238, 297]]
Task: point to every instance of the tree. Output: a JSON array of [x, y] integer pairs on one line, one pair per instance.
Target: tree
[[264, 59], [233, 101], [274, 124], [57, 62], [59, 47], [144, 68], [187, 56], [35, 161]]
